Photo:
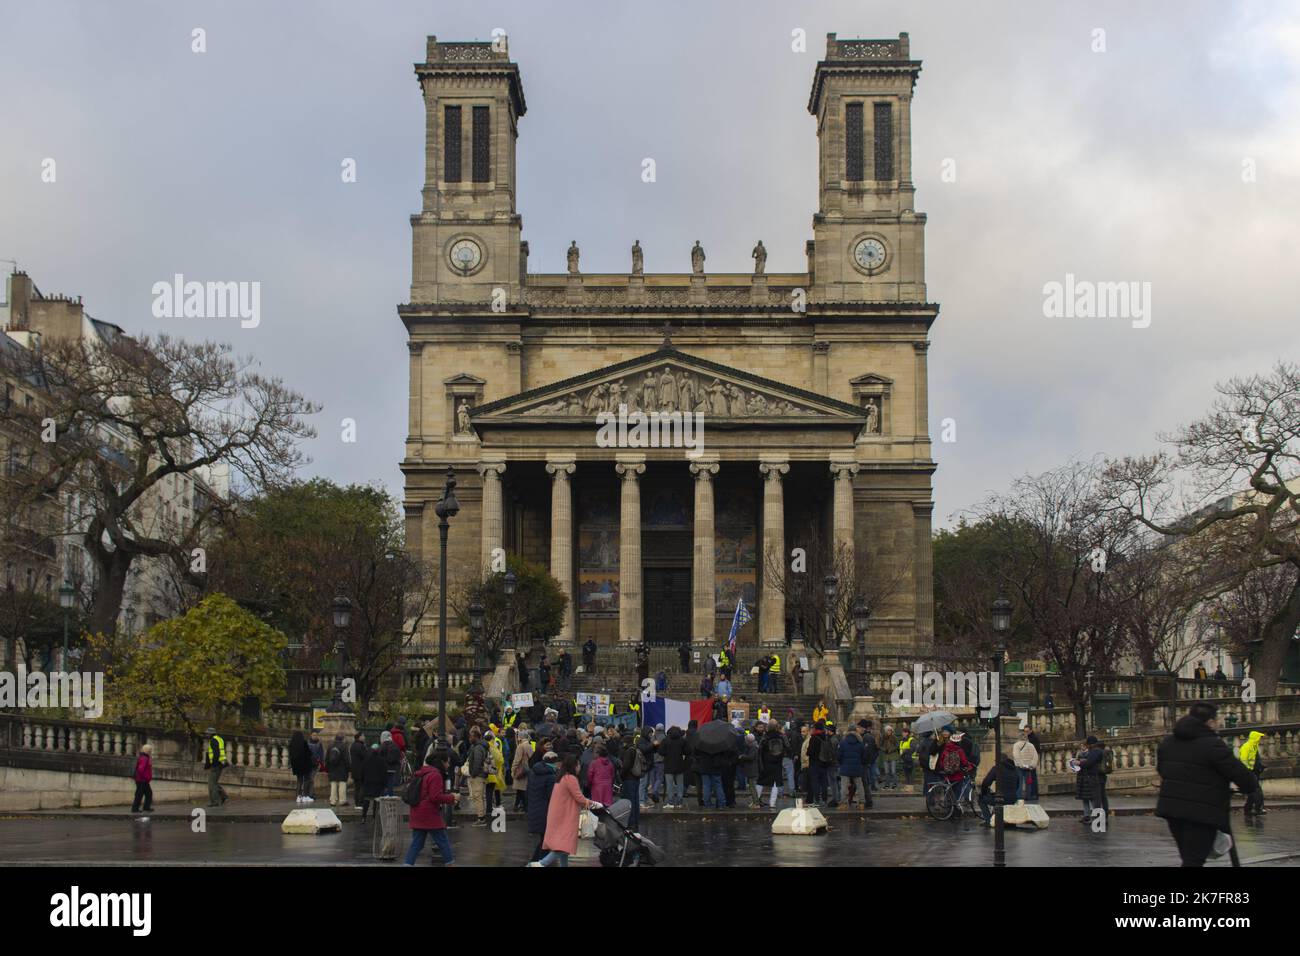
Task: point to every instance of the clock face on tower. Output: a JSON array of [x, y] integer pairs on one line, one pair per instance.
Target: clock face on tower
[[869, 255], [466, 255]]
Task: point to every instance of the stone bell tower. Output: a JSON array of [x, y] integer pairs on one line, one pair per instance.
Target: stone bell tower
[[466, 237], [869, 240]]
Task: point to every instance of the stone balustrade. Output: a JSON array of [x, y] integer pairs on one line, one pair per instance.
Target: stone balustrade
[[76, 737]]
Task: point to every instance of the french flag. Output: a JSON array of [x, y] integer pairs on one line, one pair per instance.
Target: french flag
[[675, 713]]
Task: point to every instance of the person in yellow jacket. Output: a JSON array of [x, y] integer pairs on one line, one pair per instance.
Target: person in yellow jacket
[[774, 674], [1250, 756], [821, 711], [496, 776]]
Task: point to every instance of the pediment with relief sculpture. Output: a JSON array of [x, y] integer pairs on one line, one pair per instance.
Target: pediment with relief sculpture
[[667, 380]]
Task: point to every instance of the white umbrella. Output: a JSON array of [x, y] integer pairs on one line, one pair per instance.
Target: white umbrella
[[931, 722]]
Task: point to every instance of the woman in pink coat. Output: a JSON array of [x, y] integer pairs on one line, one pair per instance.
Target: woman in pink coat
[[562, 815], [142, 776], [600, 777]]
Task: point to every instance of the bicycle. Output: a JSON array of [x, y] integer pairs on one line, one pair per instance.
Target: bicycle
[[944, 799]]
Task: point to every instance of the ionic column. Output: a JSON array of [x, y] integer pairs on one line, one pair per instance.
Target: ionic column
[[629, 548], [493, 514], [702, 588], [562, 536], [842, 473], [771, 614]]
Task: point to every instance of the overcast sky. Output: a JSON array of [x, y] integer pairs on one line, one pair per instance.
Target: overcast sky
[[1119, 165]]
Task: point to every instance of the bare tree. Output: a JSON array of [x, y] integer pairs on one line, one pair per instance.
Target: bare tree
[[1231, 481], [808, 607], [125, 414], [1061, 580]]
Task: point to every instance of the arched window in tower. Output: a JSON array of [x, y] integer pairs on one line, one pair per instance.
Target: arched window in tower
[[883, 123], [853, 171], [481, 154], [451, 144]]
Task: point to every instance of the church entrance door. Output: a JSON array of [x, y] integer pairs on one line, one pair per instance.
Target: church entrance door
[[667, 606]]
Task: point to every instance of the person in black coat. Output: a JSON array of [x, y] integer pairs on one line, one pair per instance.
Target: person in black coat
[[301, 763], [1087, 782], [684, 657], [357, 758], [541, 781], [771, 761], [374, 777], [1007, 778], [674, 751], [1196, 770]]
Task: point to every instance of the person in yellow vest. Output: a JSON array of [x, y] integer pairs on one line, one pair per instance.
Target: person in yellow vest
[[764, 714], [496, 777], [821, 711], [774, 674], [1250, 757], [214, 761]]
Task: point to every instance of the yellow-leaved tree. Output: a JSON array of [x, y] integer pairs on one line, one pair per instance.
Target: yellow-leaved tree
[[188, 668]]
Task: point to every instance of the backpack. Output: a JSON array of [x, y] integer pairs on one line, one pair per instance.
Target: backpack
[[414, 791], [1107, 761], [950, 762], [634, 763], [775, 747]]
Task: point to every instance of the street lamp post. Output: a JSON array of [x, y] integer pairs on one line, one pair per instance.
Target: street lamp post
[[66, 595], [1001, 625], [829, 585], [861, 618], [509, 582], [341, 609], [446, 508], [476, 631]]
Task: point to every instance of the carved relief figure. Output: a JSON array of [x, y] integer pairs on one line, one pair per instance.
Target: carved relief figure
[[596, 400], [462, 418], [718, 398], [759, 255], [667, 390], [873, 416], [638, 259], [697, 258], [573, 257], [649, 393], [737, 400], [686, 391], [574, 406]]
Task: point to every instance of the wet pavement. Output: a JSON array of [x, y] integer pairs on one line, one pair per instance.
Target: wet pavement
[[1132, 840]]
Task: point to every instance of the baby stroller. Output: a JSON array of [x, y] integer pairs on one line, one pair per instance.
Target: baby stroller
[[620, 846]]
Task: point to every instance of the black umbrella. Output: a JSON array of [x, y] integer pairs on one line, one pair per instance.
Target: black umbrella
[[715, 737]]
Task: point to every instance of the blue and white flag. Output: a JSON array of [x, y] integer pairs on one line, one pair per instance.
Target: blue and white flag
[[670, 713], [741, 618]]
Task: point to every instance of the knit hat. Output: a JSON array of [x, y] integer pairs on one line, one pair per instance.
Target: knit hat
[[550, 755], [1092, 740]]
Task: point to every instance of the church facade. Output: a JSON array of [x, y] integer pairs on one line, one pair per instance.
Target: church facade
[[669, 444]]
